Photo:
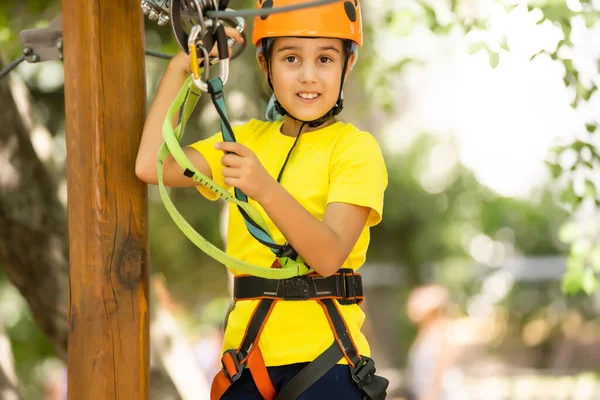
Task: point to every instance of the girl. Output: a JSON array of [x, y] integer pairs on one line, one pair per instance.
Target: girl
[[319, 184]]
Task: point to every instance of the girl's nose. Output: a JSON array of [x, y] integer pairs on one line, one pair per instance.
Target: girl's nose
[[308, 73]]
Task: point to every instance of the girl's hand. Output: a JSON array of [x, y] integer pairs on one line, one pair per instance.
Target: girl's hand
[[181, 61], [231, 32], [242, 169]]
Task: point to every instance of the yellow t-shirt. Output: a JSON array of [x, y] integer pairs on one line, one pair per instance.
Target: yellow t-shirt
[[337, 163]]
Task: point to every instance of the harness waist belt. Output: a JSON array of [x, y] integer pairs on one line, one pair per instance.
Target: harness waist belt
[[345, 286]]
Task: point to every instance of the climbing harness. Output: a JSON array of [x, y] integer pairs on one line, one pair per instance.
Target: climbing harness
[[346, 287], [290, 279]]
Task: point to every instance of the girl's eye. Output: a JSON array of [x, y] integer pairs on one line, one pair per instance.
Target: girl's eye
[[290, 59], [324, 59]]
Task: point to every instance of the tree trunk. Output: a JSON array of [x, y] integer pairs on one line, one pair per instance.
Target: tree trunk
[[33, 225]]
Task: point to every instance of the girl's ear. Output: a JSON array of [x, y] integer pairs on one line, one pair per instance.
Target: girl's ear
[[350, 65], [262, 61]]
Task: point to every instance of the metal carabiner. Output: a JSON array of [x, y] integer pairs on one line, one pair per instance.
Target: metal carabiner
[[223, 45], [239, 24], [217, 30], [194, 63]]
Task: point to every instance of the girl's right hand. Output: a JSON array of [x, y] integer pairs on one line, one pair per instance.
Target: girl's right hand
[[181, 61]]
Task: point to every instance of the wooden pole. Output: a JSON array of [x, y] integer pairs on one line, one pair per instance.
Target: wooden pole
[[108, 346]]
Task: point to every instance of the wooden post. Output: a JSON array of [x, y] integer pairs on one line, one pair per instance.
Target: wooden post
[[108, 346]]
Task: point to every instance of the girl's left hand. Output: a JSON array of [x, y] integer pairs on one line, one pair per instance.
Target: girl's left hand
[[242, 169]]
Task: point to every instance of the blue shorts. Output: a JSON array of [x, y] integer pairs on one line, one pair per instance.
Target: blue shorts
[[337, 383]]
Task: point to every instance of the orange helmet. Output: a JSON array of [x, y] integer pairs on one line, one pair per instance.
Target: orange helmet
[[340, 19]]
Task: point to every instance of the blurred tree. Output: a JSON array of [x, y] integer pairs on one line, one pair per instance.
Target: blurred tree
[[33, 226]]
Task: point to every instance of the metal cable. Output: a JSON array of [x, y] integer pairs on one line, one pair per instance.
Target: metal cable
[[11, 66], [158, 55], [19, 60], [262, 11]]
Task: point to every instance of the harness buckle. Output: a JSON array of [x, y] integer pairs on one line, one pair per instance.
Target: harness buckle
[[348, 286], [232, 366], [287, 251], [295, 288], [363, 372]]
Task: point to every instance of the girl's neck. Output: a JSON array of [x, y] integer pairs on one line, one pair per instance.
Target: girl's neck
[[291, 126]]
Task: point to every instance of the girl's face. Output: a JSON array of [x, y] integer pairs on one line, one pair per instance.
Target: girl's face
[[306, 74]]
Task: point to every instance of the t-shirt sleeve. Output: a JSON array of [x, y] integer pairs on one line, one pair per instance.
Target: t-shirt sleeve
[[213, 157], [358, 174]]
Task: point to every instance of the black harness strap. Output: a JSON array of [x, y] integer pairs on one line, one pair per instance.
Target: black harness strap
[[362, 368], [255, 325], [310, 374], [344, 286]]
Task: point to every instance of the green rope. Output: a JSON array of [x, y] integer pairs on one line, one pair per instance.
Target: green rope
[[188, 97]]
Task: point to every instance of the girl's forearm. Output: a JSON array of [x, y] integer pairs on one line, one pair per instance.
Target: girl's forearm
[[318, 244], [152, 138]]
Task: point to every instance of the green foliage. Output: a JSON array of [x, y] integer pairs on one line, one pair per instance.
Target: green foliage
[[18, 15], [421, 227], [581, 235], [582, 265], [574, 195]]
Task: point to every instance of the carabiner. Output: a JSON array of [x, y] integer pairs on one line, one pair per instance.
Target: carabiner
[[223, 46], [223, 56], [194, 63], [240, 25]]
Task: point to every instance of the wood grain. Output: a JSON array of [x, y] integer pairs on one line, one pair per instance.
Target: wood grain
[[108, 347]]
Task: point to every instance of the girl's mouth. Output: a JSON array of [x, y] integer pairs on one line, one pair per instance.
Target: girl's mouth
[[308, 97]]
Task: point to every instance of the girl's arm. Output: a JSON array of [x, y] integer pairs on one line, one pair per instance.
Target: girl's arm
[[145, 166], [172, 81], [323, 245]]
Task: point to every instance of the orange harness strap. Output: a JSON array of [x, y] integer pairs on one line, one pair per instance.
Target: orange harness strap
[[259, 372], [257, 367], [234, 361]]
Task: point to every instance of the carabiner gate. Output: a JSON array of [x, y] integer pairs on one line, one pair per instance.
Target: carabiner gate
[[222, 45], [194, 63]]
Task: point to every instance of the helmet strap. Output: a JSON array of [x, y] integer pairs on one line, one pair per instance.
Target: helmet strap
[[339, 104]]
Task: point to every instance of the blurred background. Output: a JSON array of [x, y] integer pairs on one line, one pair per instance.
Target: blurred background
[[481, 279]]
